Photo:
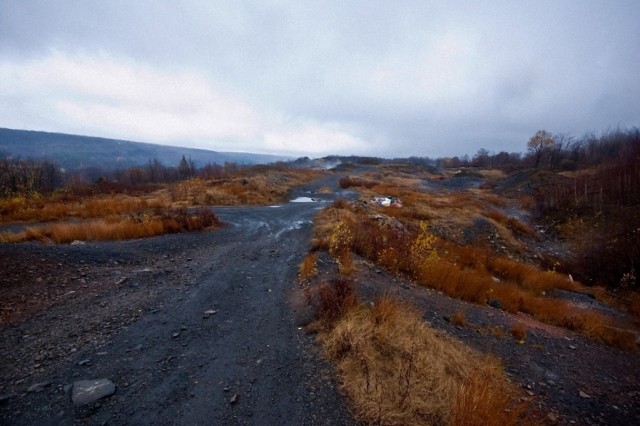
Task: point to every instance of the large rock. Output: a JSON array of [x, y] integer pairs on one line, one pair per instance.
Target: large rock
[[88, 391]]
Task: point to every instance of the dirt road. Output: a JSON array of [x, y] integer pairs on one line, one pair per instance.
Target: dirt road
[[192, 329]]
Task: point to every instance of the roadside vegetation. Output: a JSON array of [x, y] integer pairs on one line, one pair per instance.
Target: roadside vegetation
[[170, 221], [475, 234], [396, 369], [407, 245], [137, 204]]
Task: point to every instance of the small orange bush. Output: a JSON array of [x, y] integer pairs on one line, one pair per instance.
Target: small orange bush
[[458, 318], [336, 297], [308, 266], [397, 370], [485, 401], [518, 331]]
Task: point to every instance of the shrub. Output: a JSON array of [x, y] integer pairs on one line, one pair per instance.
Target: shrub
[[340, 247], [423, 251], [337, 297]]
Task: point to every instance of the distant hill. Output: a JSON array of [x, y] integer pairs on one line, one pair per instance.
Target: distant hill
[[74, 152]]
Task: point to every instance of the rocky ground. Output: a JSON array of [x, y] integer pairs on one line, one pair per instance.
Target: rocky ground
[[184, 329]]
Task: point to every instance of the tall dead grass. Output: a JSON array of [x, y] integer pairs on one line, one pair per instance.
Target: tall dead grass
[[117, 228], [44, 209], [308, 267], [399, 371], [511, 222], [259, 187], [473, 274]]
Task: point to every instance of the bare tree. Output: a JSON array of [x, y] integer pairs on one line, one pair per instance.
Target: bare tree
[[539, 144]]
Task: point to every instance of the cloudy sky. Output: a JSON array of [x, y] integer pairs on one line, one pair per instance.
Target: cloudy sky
[[386, 78]]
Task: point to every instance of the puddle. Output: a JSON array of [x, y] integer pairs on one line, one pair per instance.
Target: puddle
[[304, 200]]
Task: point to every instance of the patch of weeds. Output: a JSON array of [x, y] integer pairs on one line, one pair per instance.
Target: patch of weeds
[[518, 331]]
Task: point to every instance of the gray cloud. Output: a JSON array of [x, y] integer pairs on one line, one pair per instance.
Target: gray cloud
[[381, 78]]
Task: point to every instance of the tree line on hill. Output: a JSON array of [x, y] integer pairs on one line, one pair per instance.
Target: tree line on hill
[[28, 176], [557, 152], [545, 150], [616, 151]]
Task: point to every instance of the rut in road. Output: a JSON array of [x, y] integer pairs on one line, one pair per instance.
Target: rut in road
[[249, 363]]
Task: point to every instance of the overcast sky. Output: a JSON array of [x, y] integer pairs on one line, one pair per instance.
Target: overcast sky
[[385, 78]]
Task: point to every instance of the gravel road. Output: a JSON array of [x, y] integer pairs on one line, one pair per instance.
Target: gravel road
[[192, 329]]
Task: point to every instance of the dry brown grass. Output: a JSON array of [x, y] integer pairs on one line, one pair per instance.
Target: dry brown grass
[[485, 400], [399, 371], [87, 217], [511, 223], [518, 331], [308, 268], [459, 319], [44, 209], [494, 199], [529, 276], [261, 187], [620, 338], [492, 173], [474, 274], [335, 299], [626, 300], [116, 228], [451, 211], [327, 219], [496, 331]]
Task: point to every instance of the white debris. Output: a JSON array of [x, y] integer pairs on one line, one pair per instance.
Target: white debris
[[304, 200], [386, 201]]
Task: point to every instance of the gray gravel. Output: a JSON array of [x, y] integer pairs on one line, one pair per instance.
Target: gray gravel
[[190, 329]]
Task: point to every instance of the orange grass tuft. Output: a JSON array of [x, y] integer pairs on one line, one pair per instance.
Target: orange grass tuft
[[528, 276], [458, 318], [51, 208], [485, 400], [518, 331], [117, 229], [308, 267], [398, 370]]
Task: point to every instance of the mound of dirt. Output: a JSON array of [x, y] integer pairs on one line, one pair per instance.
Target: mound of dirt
[[529, 182]]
